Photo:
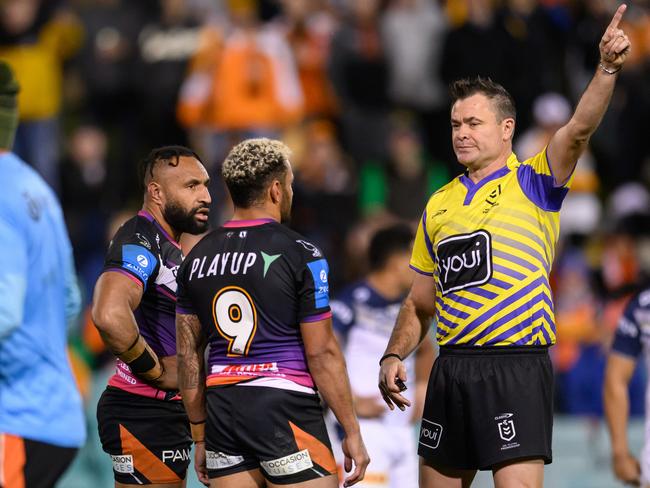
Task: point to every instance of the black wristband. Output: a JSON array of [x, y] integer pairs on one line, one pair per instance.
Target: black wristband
[[389, 355], [199, 422]]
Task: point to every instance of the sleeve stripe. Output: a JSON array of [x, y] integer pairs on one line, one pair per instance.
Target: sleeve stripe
[[420, 271], [317, 318], [427, 240], [127, 274]]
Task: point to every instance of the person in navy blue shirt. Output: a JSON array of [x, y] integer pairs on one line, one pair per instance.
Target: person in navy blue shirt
[[631, 342]]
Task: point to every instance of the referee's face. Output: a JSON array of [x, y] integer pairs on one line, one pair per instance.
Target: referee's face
[[477, 136]]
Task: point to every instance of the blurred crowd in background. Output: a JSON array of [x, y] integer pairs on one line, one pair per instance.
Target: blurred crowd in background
[[358, 90]]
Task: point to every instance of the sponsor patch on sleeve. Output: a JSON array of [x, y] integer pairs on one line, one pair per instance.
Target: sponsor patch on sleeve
[[319, 271], [139, 261]]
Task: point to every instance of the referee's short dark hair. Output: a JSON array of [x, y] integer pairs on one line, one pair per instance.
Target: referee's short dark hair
[[387, 242], [169, 155], [503, 101]]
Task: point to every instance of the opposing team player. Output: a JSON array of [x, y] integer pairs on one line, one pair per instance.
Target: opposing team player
[[363, 316], [257, 293], [631, 341], [142, 422], [483, 254]]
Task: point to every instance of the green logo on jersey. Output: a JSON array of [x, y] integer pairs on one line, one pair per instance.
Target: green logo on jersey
[[268, 261]]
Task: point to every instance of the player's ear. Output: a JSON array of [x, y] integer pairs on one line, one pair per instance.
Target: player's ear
[[275, 192], [155, 192]]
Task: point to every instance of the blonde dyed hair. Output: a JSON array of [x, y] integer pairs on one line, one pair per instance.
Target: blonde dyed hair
[[251, 166]]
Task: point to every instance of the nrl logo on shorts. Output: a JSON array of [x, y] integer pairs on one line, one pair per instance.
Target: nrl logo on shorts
[[506, 426]]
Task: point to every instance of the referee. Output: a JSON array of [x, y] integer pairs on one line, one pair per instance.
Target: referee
[[483, 254]]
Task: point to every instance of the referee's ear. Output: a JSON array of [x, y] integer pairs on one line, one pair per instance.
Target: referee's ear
[[508, 127]]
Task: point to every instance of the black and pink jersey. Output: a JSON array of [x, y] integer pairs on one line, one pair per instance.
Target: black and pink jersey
[[252, 283], [142, 250]]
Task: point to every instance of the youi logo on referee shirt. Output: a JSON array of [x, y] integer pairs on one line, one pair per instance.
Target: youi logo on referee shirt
[[464, 260]]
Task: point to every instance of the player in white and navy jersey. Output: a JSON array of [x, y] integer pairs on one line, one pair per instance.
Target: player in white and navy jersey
[[631, 343], [363, 317]]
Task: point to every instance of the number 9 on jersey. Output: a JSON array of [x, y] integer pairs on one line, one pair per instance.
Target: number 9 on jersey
[[235, 318]]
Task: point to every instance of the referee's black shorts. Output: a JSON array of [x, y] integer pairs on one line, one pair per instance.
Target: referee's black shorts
[[488, 405]]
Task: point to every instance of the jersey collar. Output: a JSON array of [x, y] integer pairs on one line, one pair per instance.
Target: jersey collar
[[473, 188], [247, 223], [150, 218]]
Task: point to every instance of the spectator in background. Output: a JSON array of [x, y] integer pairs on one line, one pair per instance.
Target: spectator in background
[[486, 32], [324, 194], [247, 87], [581, 210], [35, 38], [165, 46], [359, 72], [87, 199], [413, 32], [309, 30], [407, 181], [41, 418], [105, 68]]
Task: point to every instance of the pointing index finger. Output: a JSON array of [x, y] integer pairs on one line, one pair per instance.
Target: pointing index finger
[[617, 17]]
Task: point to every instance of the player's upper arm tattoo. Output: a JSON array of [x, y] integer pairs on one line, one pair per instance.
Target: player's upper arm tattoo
[[190, 345]]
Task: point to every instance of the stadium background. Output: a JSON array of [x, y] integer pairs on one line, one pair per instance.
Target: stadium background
[[357, 88]]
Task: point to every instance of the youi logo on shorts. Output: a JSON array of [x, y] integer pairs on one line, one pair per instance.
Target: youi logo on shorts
[[430, 433], [464, 260]]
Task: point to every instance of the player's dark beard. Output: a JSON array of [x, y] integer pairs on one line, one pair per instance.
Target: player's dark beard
[[183, 220], [285, 209]]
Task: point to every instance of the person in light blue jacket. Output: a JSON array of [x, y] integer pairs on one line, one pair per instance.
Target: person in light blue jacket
[[41, 416]]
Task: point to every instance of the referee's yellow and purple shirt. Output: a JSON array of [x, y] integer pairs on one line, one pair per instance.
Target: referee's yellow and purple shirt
[[490, 246]]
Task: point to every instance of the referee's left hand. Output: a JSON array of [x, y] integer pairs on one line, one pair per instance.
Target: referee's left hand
[[614, 45], [390, 369]]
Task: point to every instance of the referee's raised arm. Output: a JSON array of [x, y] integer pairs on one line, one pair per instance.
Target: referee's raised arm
[[569, 142]]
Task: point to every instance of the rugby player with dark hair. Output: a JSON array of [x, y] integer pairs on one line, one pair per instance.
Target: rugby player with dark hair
[[142, 422], [483, 254], [258, 294], [363, 317]]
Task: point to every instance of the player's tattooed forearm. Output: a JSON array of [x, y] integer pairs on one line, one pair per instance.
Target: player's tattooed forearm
[[188, 343]]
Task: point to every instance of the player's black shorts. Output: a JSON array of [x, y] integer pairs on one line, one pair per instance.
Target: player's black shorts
[[488, 405], [280, 432], [31, 464], [149, 440]]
